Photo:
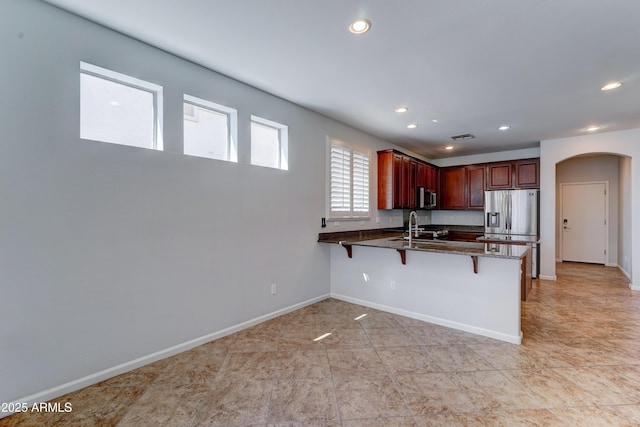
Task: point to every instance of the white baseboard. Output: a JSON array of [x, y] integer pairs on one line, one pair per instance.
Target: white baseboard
[[97, 377], [628, 276], [436, 320], [545, 277], [623, 271]]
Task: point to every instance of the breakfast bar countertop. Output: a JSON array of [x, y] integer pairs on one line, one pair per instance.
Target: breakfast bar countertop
[[393, 239]]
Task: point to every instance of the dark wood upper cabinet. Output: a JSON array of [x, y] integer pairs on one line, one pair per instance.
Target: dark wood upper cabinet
[[399, 177], [453, 191], [462, 187], [422, 176], [397, 181], [458, 187], [388, 195], [516, 174], [476, 176], [411, 183], [500, 176], [431, 178], [528, 173]]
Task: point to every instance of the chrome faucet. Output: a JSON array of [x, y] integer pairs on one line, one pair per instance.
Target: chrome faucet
[[413, 214]]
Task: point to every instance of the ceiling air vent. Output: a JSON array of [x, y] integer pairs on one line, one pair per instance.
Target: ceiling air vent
[[462, 137]]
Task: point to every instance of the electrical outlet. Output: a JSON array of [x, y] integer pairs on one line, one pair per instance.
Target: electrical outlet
[[274, 288], [392, 285]]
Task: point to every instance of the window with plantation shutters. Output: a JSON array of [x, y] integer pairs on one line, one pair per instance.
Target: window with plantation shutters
[[360, 198], [349, 182]]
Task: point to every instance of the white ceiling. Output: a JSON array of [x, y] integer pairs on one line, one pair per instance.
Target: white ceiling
[[473, 65]]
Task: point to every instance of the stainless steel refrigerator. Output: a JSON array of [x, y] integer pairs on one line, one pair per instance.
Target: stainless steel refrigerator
[[512, 215]]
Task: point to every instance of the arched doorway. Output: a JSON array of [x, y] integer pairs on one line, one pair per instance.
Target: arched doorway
[[589, 209], [625, 146]]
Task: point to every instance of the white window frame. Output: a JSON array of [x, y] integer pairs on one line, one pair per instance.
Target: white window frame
[[154, 89], [232, 124], [283, 141], [348, 211]]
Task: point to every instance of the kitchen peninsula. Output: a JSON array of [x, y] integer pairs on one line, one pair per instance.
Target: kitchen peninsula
[[470, 286]]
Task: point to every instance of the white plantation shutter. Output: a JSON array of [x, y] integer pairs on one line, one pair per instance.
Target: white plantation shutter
[[340, 179], [349, 183], [360, 182]]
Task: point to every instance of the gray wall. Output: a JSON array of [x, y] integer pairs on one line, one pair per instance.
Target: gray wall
[[624, 215], [110, 253]]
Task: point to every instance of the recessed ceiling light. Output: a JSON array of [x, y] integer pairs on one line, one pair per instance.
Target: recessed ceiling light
[[401, 109], [115, 103], [412, 126], [434, 120], [449, 147], [611, 86], [592, 128], [504, 127], [360, 26]]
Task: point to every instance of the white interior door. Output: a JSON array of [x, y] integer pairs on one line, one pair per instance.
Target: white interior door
[[583, 222]]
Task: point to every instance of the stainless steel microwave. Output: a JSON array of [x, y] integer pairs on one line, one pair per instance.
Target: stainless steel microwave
[[426, 198]]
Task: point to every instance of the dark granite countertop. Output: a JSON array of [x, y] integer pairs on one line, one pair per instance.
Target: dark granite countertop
[[393, 239], [359, 235], [495, 250], [356, 235]]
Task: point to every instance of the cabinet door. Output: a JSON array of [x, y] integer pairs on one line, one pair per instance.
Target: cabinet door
[[465, 236], [385, 181], [397, 181], [413, 177], [475, 186], [421, 179], [452, 188], [528, 173], [406, 162], [500, 176], [432, 178]]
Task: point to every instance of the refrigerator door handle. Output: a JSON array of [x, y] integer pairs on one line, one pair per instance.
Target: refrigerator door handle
[[508, 219]]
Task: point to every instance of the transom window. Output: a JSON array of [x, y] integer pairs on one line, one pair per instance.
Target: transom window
[[210, 130], [269, 143], [119, 109]]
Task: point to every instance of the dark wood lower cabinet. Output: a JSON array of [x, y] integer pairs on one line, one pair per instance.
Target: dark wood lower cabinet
[[526, 282], [464, 236]]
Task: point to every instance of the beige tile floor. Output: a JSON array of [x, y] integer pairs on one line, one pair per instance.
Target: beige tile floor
[[579, 365]]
